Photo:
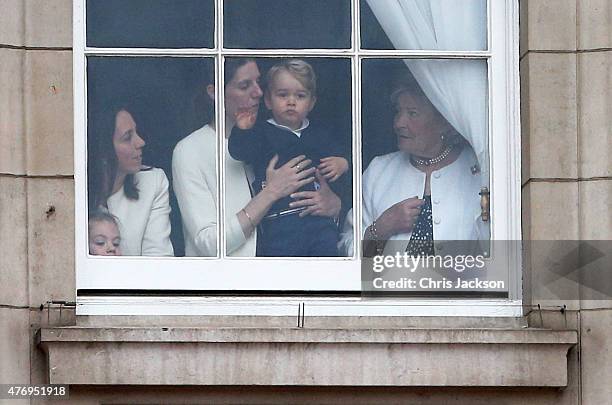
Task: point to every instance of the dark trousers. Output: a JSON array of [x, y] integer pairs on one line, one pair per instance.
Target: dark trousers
[[292, 236]]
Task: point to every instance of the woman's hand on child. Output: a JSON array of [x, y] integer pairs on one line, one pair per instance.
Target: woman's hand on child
[[333, 167], [245, 119], [323, 202], [288, 178]]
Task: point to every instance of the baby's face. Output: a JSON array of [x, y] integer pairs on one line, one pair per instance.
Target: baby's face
[[104, 239], [289, 101]]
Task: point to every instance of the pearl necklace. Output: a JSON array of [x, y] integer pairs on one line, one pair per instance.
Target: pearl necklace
[[433, 160]]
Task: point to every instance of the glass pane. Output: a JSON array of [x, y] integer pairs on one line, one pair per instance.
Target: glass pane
[[441, 25], [425, 151], [300, 107], [138, 109], [293, 24], [150, 23]]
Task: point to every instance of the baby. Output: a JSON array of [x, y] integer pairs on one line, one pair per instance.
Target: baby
[[104, 238], [290, 95]]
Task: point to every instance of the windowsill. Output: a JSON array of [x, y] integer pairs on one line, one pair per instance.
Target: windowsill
[[289, 306], [310, 357]]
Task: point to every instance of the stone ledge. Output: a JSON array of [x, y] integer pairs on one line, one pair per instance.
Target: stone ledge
[[308, 357]]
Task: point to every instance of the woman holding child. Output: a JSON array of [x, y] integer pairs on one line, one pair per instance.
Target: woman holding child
[[195, 176], [427, 190], [290, 95], [136, 196]]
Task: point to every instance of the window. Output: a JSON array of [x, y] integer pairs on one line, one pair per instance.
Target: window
[[158, 80]]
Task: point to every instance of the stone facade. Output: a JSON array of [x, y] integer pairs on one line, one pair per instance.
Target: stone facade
[[566, 105]]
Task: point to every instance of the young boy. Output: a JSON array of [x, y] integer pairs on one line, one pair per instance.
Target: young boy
[[290, 95], [104, 238]]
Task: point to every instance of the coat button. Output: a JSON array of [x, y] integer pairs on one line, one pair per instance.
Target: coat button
[[437, 220], [436, 201], [437, 175]]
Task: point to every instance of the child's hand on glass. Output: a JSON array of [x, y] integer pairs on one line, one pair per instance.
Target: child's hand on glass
[[245, 119], [333, 167]]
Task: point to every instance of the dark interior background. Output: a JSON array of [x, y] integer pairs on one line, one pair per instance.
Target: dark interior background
[[376, 109], [295, 24], [372, 34], [150, 23], [257, 24]]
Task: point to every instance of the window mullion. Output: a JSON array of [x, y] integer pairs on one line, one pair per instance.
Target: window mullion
[[243, 52], [355, 26], [220, 128], [192, 52], [423, 54], [357, 158]]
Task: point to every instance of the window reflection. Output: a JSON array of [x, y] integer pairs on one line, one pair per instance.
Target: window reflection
[[150, 23], [294, 24]]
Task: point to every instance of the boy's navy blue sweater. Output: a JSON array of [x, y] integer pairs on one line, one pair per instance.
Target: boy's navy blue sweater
[[256, 146]]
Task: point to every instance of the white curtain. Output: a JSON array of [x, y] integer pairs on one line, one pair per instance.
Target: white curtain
[[457, 88]]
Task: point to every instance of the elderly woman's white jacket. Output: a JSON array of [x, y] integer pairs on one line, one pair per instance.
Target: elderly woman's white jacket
[[144, 224], [455, 197]]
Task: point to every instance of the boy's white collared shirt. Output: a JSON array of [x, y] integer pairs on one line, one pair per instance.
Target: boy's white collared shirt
[[297, 132]]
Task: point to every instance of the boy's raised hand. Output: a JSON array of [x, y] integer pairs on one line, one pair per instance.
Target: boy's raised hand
[[245, 119], [333, 167]]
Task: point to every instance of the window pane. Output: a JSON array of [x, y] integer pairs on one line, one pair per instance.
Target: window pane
[[443, 25], [299, 118], [150, 23], [138, 109], [425, 135], [294, 24]]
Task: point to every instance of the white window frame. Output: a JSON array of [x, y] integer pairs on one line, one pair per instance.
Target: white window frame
[[271, 274]]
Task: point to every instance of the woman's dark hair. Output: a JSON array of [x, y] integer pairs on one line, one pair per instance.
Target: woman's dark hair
[[203, 105], [232, 65], [102, 158]]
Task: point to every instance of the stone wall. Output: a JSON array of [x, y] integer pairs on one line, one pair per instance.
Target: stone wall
[[566, 104], [36, 175]]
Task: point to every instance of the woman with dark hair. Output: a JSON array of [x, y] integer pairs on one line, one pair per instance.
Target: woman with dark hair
[[118, 183], [195, 176]]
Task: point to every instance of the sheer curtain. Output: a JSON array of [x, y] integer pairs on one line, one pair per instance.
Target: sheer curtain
[[457, 88]]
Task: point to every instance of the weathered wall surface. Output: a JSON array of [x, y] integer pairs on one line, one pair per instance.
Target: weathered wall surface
[[36, 174], [566, 104]]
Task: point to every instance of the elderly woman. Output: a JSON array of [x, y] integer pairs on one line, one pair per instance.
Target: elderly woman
[[427, 190], [119, 184], [195, 176]]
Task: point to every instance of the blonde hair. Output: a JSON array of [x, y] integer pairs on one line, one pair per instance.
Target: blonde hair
[[101, 216], [405, 83], [299, 69]]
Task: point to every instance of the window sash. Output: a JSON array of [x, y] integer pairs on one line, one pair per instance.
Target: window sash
[[336, 274]]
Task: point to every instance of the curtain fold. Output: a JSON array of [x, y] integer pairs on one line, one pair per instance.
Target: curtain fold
[[456, 87]]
